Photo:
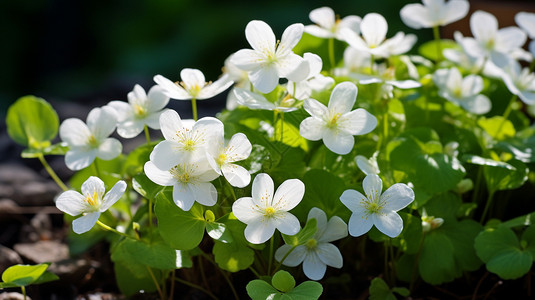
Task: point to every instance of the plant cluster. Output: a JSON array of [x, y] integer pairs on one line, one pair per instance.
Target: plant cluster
[[422, 153]]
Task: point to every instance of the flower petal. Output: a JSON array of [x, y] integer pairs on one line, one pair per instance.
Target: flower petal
[[338, 142], [336, 229], [357, 122], [259, 231], [157, 99], [264, 79], [239, 148], [248, 60], [290, 37], [293, 259], [262, 191], [526, 21], [74, 132], [171, 89], [289, 194], [373, 28], [244, 210], [102, 122], [313, 267], [317, 31], [360, 223], [330, 255], [158, 176], [79, 158], [93, 185], [205, 193], [166, 155], [343, 97], [397, 197], [416, 16], [479, 104], [236, 175], [286, 223], [183, 196], [170, 124], [85, 223], [323, 16], [352, 200], [390, 224], [484, 26], [312, 129], [373, 186], [130, 129], [215, 88], [123, 110], [71, 202], [260, 36], [113, 195], [454, 10], [109, 149], [321, 219], [315, 108], [192, 78], [252, 100]]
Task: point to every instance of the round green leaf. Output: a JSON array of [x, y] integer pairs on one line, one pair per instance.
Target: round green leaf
[[260, 290], [236, 255], [500, 178], [23, 275], [32, 122], [156, 255], [512, 264], [437, 263], [379, 290], [429, 49], [283, 281], [497, 127], [182, 230], [308, 290]]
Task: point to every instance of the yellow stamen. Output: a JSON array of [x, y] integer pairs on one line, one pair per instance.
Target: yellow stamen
[[270, 211], [311, 244], [93, 201], [333, 120], [139, 110]]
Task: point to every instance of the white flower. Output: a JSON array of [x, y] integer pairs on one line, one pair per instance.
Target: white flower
[[433, 13], [240, 78], [430, 222], [526, 21], [520, 81], [337, 124], [376, 209], [386, 76], [183, 143], [264, 211], [190, 181], [328, 26], [141, 110], [314, 81], [400, 43], [268, 60], [90, 202], [373, 29], [464, 92], [317, 253], [256, 101], [355, 61], [193, 85], [368, 166], [222, 158], [489, 42], [91, 140]]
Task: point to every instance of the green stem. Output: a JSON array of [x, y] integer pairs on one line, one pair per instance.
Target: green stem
[[147, 134], [331, 53], [194, 108], [150, 219], [282, 125], [51, 172], [255, 272], [413, 274], [231, 190], [96, 168], [270, 261], [224, 275], [372, 61], [108, 228], [487, 206], [436, 35], [172, 289], [155, 283], [506, 114], [198, 287], [477, 185], [23, 290]]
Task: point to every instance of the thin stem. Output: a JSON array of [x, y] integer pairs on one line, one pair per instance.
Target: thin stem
[[331, 53], [155, 283], [254, 272], [108, 228], [172, 289], [282, 126], [51, 172], [487, 206], [283, 258], [506, 114], [436, 35], [413, 274], [198, 287], [372, 61], [222, 273], [96, 168], [23, 290], [150, 219], [194, 108], [231, 190], [477, 185], [147, 134], [270, 261]]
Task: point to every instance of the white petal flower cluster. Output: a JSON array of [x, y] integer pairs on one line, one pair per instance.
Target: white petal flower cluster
[[191, 157], [520, 81], [328, 26], [433, 13], [313, 82], [368, 166], [526, 21], [318, 252], [90, 140], [142, 109], [267, 209], [90, 203], [193, 85], [338, 123], [376, 208], [269, 60], [465, 92]]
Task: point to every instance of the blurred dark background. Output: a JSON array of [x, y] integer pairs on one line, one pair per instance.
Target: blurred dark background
[[96, 51]]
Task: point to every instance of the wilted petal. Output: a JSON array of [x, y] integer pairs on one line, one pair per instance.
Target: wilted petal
[[85, 223], [390, 224], [71, 202]]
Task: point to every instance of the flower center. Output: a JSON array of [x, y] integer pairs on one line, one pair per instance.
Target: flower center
[[189, 139], [457, 92], [92, 141], [269, 212], [139, 110], [373, 204], [311, 244], [333, 120], [221, 159], [93, 200], [181, 174]]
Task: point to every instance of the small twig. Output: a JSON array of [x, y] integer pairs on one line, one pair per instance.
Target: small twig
[[474, 295], [493, 288], [198, 287]]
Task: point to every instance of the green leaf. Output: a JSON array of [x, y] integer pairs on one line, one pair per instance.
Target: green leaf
[[462, 235], [283, 281], [524, 220], [409, 240], [528, 237], [430, 51], [499, 178], [136, 159], [219, 232], [132, 277], [497, 127], [379, 290], [478, 160], [303, 235], [23, 275], [500, 249], [156, 255], [145, 187], [182, 230], [437, 263], [46, 277], [56, 149], [236, 255], [308, 290], [32, 122], [260, 290]]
